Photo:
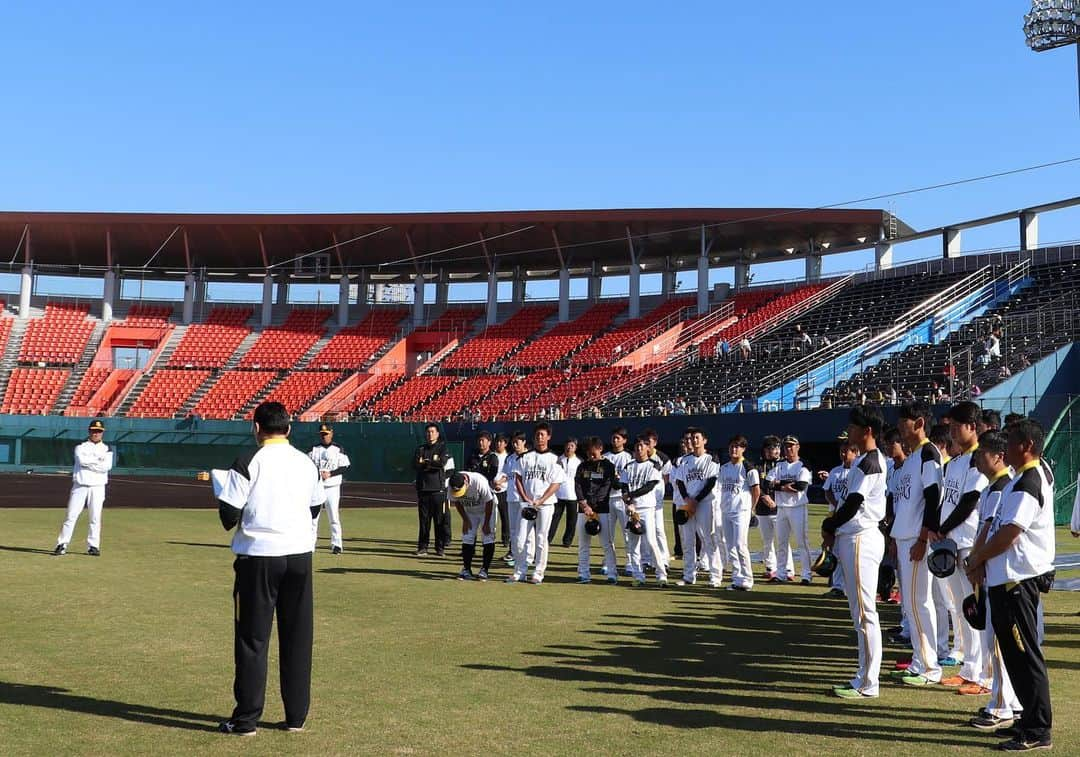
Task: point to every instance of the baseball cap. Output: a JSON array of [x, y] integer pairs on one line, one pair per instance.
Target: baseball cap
[[458, 484], [789, 439], [97, 426], [842, 436], [324, 429]]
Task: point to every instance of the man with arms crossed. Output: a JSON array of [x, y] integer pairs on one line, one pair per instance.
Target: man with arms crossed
[[93, 461]]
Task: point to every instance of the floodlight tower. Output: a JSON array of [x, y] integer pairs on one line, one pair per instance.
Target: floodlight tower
[[1054, 23]]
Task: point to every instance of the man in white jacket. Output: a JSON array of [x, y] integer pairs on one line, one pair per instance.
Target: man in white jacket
[[93, 461]]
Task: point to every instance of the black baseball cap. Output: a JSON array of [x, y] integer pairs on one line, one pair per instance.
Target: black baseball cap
[[97, 426]]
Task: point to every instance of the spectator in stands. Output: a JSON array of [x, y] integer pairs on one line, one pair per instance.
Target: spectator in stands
[[718, 350], [992, 347], [701, 408], [680, 406], [725, 348], [892, 394], [744, 349]]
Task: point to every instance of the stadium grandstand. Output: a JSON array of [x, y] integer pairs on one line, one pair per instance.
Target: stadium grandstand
[[887, 332]]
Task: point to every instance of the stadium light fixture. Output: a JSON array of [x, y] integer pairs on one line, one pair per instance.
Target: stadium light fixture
[[826, 245], [1054, 23]]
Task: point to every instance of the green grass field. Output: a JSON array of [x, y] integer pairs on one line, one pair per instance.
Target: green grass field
[[131, 653]]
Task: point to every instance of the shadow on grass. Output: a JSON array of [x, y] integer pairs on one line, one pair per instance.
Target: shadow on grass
[[199, 544], [726, 661], [52, 697], [27, 550]]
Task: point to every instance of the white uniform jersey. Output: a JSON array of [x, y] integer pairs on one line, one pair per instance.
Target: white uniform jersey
[[538, 471], [867, 478], [500, 482], [93, 461], [734, 484], [477, 493], [330, 458], [510, 468], [569, 466], [637, 475], [960, 479], [920, 471], [275, 487], [990, 498], [1028, 502], [620, 460], [694, 472], [676, 495], [665, 468], [785, 471], [836, 484]]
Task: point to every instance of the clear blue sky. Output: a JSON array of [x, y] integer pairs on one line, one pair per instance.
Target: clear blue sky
[[446, 106]]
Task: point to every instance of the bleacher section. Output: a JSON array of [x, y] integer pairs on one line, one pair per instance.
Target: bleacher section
[[33, 391], [59, 337], [282, 347], [166, 392], [1033, 323], [211, 344], [231, 392], [630, 335], [354, 345], [754, 308], [140, 314], [714, 380], [410, 394], [454, 320], [548, 349], [462, 396], [494, 343], [90, 383], [300, 388]]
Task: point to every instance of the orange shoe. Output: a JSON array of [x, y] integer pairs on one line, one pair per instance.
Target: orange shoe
[[973, 690], [954, 681]]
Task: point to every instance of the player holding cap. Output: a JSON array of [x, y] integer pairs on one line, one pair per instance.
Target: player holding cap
[[620, 458], [855, 538], [695, 479], [471, 494], [790, 480], [835, 487], [593, 484], [332, 462], [638, 482], [93, 461], [739, 487], [537, 478]]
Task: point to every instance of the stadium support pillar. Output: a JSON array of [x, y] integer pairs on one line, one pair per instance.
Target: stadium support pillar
[[517, 289], [344, 284], [883, 252], [813, 268], [492, 297], [363, 290], [282, 291], [742, 275], [634, 276], [1029, 231], [703, 279], [950, 243], [267, 300], [442, 290], [108, 296], [564, 295], [595, 284], [419, 282], [189, 298], [26, 288], [667, 280]]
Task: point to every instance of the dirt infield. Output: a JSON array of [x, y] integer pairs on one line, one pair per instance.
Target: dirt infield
[[51, 490]]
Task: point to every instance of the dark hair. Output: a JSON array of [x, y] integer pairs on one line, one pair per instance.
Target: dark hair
[[518, 436], [621, 431], [641, 439], [483, 435], [992, 419], [739, 440], [542, 427], [691, 430], [867, 416], [892, 436], [457, 480], [939, 435], [993, 441], [916, 409], [591, 442], [1027, 430], [770, 441], [1014, 417], [431, 425], [650, 434], [272, 418], [501, 438], [570, 439], [965, 412], [848, 444]]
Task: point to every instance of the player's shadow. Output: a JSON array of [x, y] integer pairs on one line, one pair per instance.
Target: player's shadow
[[198, 544], [27, 550], [52, 697], [418, 574], [721, 660]]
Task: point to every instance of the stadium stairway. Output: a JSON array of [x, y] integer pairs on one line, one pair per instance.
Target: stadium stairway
[[159, 363], [11, 351], [77, 373]]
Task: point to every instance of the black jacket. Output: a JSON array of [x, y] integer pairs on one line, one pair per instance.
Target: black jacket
[[428, 461], [486, 465]]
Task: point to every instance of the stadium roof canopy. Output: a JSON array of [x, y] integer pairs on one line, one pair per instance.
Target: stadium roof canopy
[[463, 244]]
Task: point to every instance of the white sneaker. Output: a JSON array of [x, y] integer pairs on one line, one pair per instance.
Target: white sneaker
[[535, 580]]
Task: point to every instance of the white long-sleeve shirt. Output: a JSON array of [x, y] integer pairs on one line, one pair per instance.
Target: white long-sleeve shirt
[[93, 461]]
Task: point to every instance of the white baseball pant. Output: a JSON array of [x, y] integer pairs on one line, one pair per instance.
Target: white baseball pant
[[861, 555], [946, 616], [536, 531], [915, 580], [701, 524], [965, 638], [333, 512], [476, 521], [647, 515], [93, 499], [793, 521], [737, 538], [608, 523], [513, 510]]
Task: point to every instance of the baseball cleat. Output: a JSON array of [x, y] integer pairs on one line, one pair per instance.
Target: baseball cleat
[[335, 550], [420, 553], [988, 722], [536, 581], [612, 580], [847, 692], [603, 570], [61, 549], [465, 575], [948, 662], [916, 680], [583, 580], [714, 584], [233, 729], [663, 582], [954, 682], [902, 664], [512, 580], [835, 594], [805, 582], [93, 552], [973, 690], [482, 575], [1020, 744], [639, 582], [899, 638]]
